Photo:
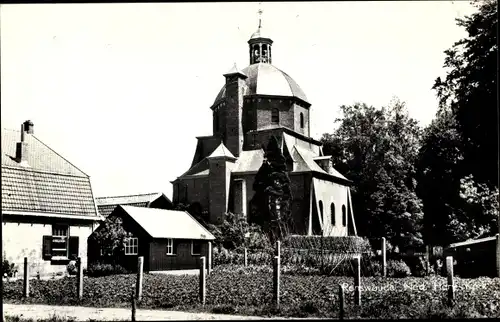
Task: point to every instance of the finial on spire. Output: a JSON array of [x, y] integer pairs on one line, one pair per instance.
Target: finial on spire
[[260, 14]]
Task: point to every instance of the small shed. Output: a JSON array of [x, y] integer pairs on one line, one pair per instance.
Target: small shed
[[167, 239], [476, 257]]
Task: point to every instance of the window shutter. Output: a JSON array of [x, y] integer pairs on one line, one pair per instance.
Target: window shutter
[[73, 247], [47, 248]]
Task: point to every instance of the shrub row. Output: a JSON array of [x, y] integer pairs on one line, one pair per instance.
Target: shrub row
[[249, 291], [101, 269], [334, 265], [344, 244]]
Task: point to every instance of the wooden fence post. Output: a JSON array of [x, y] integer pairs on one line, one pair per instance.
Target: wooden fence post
[[357, 281], [26, 289], [245, 257], [276, 282], [133, 306], [138, 286], [451, 286], [80, 278], [384, 258], [203, 286], [341, 302], [209, 261], [498, 253]]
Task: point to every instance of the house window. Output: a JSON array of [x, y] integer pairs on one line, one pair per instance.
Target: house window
[[60, 246], [275, 115], [301, 120], [321, 210], [195, 248], [344, 216], [132, 246], [60, 241], [332, 212], [170, 247]]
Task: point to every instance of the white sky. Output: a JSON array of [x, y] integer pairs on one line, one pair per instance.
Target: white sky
[[122, 90]]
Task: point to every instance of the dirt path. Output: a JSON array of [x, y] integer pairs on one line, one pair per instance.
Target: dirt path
[[81, 313]]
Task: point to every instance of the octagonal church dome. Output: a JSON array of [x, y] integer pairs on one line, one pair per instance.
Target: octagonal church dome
[[266, 79]]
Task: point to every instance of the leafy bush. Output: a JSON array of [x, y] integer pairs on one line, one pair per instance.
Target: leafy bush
[[8, 269], [397, 268], [337, 244], [101, 269], [249, 291], [417, 266]]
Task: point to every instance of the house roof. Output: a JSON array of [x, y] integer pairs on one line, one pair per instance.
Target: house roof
[[39, 157], [139, 198], [160, 223], [46, 183], [107, 204]]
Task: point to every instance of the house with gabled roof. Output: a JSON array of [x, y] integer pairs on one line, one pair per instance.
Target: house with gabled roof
[[159, 200], [167, 239], [48, 207]]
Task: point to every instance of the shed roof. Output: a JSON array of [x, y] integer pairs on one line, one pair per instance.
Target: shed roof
[[160, 223], [473, 241]]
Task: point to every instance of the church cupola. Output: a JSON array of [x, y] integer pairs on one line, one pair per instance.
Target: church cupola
[[260, 46]]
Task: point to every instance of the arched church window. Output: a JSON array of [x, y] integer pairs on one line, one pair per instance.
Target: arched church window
[[275, 115], [344, 216], [256, 52], [301, 120], [332, 213], [321, 209]]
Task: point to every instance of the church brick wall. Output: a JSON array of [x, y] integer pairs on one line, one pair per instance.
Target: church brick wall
[[297, 110], [233, 111], [219, 179], [197, 191], [265, 106]]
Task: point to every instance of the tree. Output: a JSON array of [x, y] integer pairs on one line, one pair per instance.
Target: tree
[[270, 206], [439, 169], [469, 91], [110, 237], [376, 149]]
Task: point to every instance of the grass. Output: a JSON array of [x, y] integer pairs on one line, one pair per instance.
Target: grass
[[248, 291], [52, 318]]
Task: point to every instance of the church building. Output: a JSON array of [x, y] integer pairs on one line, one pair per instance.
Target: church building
[[255, 104]]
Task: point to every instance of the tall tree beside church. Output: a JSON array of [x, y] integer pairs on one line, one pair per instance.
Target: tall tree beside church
[[469, 90], [376, 149], [439, 169], [456, 206], [270, 206]]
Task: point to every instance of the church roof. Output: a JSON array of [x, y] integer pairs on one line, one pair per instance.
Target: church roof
[[249, 161], [266, 79], [221, 151], [305, 162], [259, 34], [235, 70]]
